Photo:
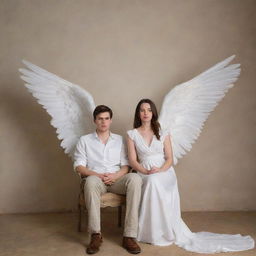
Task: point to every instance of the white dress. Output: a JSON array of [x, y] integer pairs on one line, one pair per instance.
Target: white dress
[[160, 221]]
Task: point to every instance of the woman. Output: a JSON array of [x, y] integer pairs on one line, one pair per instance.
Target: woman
[[160, 223]]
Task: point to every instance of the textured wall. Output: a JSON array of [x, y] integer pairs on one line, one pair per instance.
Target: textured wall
[[121, 51]]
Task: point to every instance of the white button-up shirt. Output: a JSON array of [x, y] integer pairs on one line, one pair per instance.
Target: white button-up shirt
[[99, 157]]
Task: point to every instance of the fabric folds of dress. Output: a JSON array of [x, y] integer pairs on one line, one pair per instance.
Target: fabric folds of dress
[[160, 221]]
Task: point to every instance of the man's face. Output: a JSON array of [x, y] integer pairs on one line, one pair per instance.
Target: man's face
[[103, 122]]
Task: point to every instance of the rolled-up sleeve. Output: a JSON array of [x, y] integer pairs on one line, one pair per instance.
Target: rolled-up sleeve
[[124, 157], [80, 156]]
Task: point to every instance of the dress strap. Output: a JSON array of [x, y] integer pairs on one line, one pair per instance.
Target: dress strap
[[131, 134]]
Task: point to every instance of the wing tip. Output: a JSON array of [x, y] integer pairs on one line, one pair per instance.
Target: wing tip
[[229, 59], [25, 62]]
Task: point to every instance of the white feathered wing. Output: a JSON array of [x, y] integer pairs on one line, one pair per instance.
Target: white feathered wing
[[69, 105], [186, 107]]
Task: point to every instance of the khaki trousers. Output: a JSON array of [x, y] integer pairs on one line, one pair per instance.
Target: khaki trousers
[[129, 185]]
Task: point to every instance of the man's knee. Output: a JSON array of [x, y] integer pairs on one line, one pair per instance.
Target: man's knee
[[134, 180], [92, 182]]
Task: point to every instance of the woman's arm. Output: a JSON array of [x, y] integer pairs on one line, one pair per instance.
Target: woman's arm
[[168, 157], [132, 155]]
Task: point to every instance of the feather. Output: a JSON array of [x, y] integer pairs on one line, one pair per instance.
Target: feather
[[187, 106], [69, 105]]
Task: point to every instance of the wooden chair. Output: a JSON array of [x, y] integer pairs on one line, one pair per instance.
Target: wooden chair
[[107, 199]]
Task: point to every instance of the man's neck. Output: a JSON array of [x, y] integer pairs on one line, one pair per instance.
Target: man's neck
[[103, 136]]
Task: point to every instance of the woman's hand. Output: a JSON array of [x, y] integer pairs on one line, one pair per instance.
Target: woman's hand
[[154, 170], [144, 171]]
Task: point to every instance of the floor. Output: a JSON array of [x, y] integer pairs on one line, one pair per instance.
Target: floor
[[56, 233]]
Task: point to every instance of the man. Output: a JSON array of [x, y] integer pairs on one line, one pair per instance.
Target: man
[[101, 157]]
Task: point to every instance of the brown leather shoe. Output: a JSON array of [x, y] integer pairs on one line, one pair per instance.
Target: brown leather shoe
[[94, 246], [130, 245]]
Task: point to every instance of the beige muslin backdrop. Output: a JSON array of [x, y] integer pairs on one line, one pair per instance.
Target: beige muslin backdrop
[[122, 51]]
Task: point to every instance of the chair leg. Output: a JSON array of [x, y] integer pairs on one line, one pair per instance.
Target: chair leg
[[79, 227], [119, 216]]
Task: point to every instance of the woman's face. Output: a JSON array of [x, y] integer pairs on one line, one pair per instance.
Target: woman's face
[[145, 112]]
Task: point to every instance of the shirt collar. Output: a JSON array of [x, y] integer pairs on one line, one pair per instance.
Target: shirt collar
[[111, 136]]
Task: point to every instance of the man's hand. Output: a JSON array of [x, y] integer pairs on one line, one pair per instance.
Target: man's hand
[[101, 176], [109, 178]]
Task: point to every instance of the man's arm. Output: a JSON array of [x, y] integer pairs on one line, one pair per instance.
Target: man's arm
[[107, 178], [80, 160], [84, 171], [110, 178]]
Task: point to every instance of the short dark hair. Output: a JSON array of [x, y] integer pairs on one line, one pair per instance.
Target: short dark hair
[[101, 109]]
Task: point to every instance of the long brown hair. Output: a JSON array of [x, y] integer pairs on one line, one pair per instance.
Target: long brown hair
[[155, 126]]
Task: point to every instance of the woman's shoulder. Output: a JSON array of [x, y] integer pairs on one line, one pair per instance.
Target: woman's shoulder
[[163, 133], [131, 133]]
